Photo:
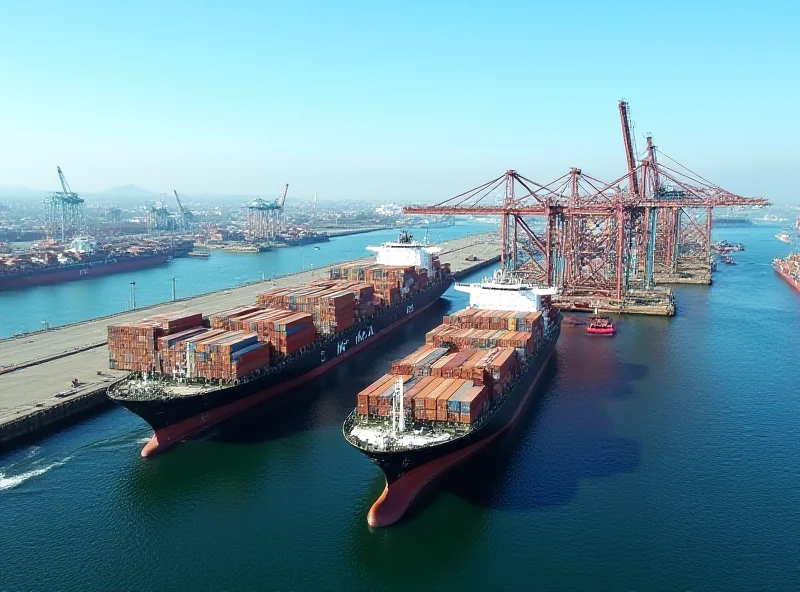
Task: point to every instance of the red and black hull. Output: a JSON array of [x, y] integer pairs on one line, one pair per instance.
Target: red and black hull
[[179, 417], [792, 281], [80, 271], [408, 472]]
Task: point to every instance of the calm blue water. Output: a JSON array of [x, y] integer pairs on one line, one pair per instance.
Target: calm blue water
[[70, 302], [662, 459]]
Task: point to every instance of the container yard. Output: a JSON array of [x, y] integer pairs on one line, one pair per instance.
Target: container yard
[[37, 367]]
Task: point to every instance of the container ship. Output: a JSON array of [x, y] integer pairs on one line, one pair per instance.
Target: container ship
[[459, 392], [789, 269], [82, 259], [190, 372]]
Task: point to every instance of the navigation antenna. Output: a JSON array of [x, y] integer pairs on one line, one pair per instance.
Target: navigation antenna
[[398, 417], [314, 206]]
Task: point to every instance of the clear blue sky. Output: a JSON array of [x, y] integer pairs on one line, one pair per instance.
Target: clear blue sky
[[389, 99]]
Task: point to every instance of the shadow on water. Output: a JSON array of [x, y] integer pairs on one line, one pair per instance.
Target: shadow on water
[[567, 436], [563, 438], [174, 478], [323, 402], [328, 399]]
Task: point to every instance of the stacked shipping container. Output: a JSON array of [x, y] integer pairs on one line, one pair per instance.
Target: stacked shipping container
[[465, 364], [134, 346], [283, 321], [333, 309], [284, 331]]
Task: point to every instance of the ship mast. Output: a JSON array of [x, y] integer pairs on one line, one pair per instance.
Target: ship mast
[[398, 417]]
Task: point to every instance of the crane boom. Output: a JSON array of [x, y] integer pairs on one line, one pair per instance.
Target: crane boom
[[178, 199], [184, 214], [282, 198], [628, 141], [63, 179]]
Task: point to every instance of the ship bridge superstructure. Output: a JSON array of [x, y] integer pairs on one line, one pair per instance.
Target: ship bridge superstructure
[[504, 292], [404, 252]]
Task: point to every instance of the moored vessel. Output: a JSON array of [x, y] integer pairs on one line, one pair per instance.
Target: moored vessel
[[789, 269], [81, 259], [457, 394], [191, 372], [601, 325]]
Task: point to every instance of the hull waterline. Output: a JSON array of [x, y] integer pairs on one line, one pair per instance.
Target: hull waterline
[[399, 494], [792, 282], [166, 437], [79, 272]]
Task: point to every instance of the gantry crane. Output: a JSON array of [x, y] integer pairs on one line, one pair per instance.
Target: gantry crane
[[600, 238]]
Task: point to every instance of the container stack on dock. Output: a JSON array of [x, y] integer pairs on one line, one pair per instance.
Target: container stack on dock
[[465, 364]]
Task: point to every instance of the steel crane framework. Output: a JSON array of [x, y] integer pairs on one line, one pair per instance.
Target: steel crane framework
[[63, 212], [601, 239]]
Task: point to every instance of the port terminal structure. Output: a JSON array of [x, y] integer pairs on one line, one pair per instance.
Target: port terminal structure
[[37, 369], [608, 246]]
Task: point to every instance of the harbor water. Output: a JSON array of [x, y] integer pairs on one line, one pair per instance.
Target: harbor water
[[662, 459], [71, 302]]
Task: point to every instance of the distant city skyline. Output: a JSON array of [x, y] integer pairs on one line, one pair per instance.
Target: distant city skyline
[[411, 102]]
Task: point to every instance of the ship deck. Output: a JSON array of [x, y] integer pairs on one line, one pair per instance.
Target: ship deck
[[370, 434], [147, 390]]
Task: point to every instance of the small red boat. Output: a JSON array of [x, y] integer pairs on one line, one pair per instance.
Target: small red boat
[[601, 325]]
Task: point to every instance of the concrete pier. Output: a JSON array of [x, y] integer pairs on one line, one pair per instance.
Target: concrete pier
[[36, 369]]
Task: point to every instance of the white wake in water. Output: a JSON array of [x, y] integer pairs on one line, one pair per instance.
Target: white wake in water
[[9, 482]]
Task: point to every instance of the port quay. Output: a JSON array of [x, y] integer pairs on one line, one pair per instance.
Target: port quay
[[37, 368]]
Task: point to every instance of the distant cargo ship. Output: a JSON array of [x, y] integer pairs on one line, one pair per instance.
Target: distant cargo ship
[[440, 222], [187, 377], [732, 222], [81, 260], [294, 241], [428, 223], [789, 269], [460, 392]]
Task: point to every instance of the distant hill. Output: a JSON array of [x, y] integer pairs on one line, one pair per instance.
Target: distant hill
[[127, 191]]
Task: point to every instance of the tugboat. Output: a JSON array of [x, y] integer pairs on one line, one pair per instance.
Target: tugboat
[[728, 260], [601, 325]]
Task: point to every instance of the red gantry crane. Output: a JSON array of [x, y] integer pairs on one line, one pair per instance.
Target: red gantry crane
[[599, 242]]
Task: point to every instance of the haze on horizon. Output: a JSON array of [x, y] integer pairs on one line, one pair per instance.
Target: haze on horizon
[[365, 100]]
